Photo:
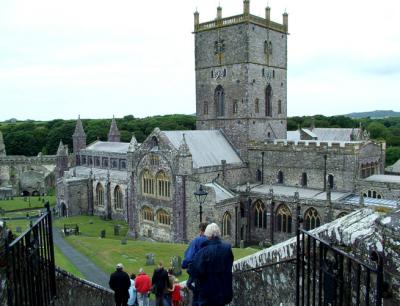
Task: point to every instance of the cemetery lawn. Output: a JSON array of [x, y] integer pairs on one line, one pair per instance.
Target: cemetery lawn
[[91, 226], [106, 253], [18, 203], [65, 264]]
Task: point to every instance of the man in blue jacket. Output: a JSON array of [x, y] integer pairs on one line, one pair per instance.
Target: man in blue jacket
[[191, 251], [212, 270]]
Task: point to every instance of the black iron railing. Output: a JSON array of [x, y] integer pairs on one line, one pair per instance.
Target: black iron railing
[[31, 269], [327, 275]]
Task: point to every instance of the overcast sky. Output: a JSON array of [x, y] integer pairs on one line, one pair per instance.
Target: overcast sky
[[97, 58]]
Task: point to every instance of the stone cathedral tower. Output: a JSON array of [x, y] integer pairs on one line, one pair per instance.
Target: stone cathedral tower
[[241, 76]]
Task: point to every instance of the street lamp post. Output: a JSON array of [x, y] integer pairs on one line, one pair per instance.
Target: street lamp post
[[201, 196]]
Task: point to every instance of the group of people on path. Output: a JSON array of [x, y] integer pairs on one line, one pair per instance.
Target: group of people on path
[[208, 261], [135, 290]]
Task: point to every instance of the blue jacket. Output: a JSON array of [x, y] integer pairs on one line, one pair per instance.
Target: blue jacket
[[212, 271], [191, 251]]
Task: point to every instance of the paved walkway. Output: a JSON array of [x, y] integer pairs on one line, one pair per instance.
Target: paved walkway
[[88, 269]]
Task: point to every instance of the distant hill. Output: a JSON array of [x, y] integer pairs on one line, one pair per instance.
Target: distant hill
[[378, 114]]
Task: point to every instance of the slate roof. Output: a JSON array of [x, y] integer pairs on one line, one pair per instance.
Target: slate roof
[[106, 146], [220, 192], [383, 178], [208, 148], [394, 168], [325, 134], [84, 172]]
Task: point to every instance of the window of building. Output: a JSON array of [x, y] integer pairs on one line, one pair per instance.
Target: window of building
[[148, 183], [105, 162], [263, 72], [205, 108], [280, 177], [219, 96], [283, 219], [226, 224], [118, 197], [83, 159], [114, 163], [330, 181], [122, 163], [312, 219], [268, 101], [163, 185], [99, 195], [163, 217], [97, 161], [154, 160], [235, 107], [260, 215], [257, 106], [147, 214], [259, 175], [279, 107], [273, 74], [304, 179], [372, 194], [342, 214], [90, 160]]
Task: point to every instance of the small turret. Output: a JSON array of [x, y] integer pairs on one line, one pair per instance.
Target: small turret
[[79, 137], [2, 146], [268, 14], [114, 135], [219, 12], [61, 160], [185, 163], [133, 145], [246, 7], [196, 19], [286, 21]]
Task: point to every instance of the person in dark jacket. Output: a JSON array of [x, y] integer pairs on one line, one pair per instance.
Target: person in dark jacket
[[212, 270], [160, 283], [120, 283]]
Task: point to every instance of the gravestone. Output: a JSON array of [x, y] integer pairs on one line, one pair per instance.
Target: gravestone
[[18, 229], [149, 259], [116, 229], [176, 265], [123, 241], [103, 234], [242, 244]]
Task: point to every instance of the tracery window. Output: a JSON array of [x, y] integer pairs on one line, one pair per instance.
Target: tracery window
[[260, 215], [163, 185], [163, 217], [219, 96], [118, 197], [283, 219], [226, 224], [154, 160], [148, 183], [372, 194], [99, 195], [268, 101], [312, 219], [147, 214]]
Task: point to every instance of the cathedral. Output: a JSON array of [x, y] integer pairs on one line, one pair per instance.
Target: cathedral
[[253, 172]]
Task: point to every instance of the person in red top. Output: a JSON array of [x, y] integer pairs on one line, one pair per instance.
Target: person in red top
[[176, 294], [143, 288]]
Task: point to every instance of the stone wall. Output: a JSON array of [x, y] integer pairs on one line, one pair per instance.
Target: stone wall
[[73, 291], [387, 190]]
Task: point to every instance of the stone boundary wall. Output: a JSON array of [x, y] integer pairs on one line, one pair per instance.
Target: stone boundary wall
[[73, 291], [21, 159]]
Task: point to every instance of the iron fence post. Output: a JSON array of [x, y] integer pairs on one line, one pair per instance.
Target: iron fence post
[[52, 263]]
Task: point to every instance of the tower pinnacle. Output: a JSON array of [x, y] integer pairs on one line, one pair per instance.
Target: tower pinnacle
[[114, 135]]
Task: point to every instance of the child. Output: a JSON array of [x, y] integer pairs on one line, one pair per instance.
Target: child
[[176, 293]]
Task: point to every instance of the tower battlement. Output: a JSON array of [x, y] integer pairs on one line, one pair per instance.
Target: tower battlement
[[246, 17]]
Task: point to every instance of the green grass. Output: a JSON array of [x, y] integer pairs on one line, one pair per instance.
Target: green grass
[[65, 264], [31, 202], [13, 224], [91, 226], [106, 253]]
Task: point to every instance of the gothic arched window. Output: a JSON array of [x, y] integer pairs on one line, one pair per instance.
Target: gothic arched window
[[283, 219], [118, 198], [163, 185], [147, 214], [330, 181], [226, 224], [148, 183], [99, 195], [268, 101], [312, 219], [260, 215], [163, 217], [219, 96]]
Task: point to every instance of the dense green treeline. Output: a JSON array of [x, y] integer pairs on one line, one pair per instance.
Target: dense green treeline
[[31, 137]]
